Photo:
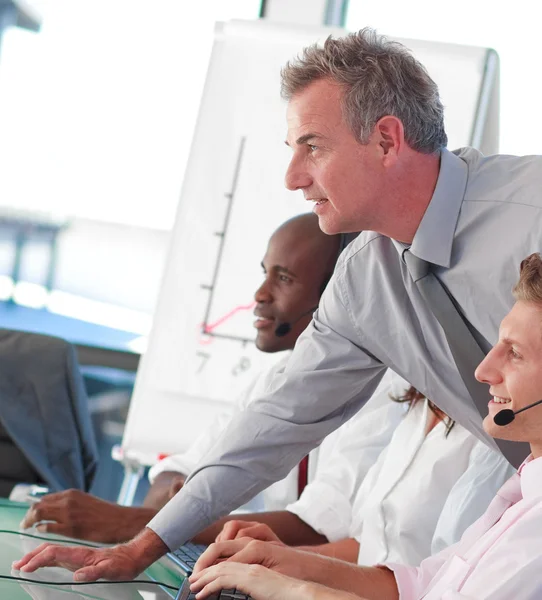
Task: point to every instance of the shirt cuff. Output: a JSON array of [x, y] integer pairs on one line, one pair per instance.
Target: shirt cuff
[[175, 532], [406, 578], [325, 509]]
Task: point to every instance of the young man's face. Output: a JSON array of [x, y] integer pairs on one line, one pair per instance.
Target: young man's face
[[513, 370], [294, 270], [343, 177]]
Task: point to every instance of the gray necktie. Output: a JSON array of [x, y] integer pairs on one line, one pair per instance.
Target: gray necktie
[[465, 349]]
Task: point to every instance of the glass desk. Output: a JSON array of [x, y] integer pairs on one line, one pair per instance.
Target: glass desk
[[13, 546]]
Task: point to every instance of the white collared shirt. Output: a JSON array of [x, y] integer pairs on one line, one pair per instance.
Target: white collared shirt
[[456, 475], [346, 459]]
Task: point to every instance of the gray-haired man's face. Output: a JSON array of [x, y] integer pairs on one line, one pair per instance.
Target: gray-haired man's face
[[342, 177]]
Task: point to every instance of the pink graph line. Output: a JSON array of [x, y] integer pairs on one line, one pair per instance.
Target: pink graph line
[[212, 326]]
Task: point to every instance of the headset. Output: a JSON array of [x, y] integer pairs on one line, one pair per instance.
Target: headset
[[506, 416]]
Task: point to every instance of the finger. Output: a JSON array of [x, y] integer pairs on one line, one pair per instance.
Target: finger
[[229, 575], [104, 568], [34, 515], [29, 556], [41, 511], [92, 573], [218, 550], [251, 553], [228, 532], [29, 519], [213, 578], [214, 586], [56, 528], [245, 532], [209, 557], [48, 557], [257, 532], [68, 557], [231, 530]]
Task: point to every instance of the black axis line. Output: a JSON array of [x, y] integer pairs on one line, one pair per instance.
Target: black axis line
[[222, 235]]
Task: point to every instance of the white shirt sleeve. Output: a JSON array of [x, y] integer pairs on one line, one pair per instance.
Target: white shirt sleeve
[[487, 471], [326, 503], [186, 462]]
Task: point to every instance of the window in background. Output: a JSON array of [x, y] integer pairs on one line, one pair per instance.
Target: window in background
[[97, 110], [511, 29]]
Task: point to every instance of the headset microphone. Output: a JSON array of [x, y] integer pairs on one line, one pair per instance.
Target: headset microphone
[[285, 328], [506, 416]]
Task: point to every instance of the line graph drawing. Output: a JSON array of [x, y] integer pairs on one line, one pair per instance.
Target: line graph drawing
[[212, 326], [208, 330]]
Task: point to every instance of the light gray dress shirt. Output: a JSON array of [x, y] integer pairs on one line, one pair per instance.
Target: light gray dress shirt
[[484, 218]]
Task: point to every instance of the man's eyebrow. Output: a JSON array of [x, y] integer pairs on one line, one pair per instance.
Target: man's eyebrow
[[304, 139], [510, 342], [283, 270], [280, 269]]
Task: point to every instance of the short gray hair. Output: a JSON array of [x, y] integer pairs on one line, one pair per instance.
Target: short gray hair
[[379, 77]]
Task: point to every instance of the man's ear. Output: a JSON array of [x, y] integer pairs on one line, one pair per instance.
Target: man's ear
[[390, 136]]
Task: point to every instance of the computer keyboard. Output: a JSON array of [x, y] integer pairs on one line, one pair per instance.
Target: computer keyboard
[[185, 594], [187, 556]]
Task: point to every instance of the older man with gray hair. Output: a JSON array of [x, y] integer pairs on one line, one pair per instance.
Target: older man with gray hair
[[422, 290]]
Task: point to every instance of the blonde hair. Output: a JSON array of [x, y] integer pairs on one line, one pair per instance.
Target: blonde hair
[[529, 286], [379, 77]]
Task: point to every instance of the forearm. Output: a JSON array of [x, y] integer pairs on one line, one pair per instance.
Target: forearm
[[347, 550], [132, 522], [287, 526], [372, 583], [146, 548], [160, 491], [313, 591]]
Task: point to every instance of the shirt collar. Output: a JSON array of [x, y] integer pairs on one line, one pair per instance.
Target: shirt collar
[[435, 234], [531, 478]]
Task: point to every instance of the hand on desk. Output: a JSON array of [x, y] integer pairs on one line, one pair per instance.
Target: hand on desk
[[90, 564], [43, 592], [260, 583], [80, 515]]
